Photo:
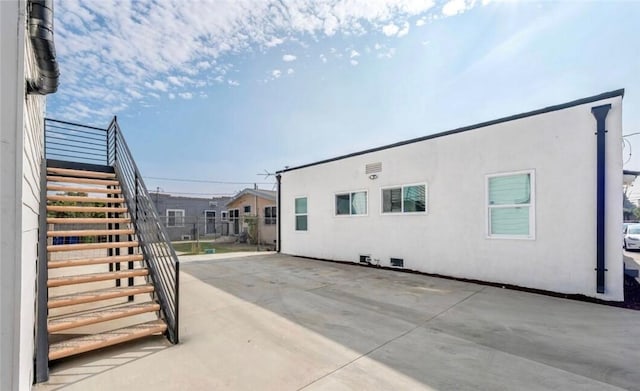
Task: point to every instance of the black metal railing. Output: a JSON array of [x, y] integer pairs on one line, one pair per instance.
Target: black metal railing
[[161, 259], [75, 143]]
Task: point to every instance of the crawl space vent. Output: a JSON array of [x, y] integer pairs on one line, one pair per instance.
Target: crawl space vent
[[365, 259], [397, 262], [372, 168]]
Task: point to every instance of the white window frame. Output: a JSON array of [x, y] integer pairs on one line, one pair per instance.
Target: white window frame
[[274, 218], [350, 192], [175, 217], [206, 222], [295, 228], [532, 206], [224, 215], [402, 212]]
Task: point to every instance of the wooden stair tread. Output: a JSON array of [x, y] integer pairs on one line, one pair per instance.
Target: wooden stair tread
[[94, 261], [94, 277], [96, 341], [87, 190], [98, 295], [91, 232], [81, 173], [88, 181], [72, 321], [68, 198], [88, 220], [73, 208], [90, 246]]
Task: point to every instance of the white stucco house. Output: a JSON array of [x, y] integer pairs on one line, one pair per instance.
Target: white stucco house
[[532, 200], [27, 73]]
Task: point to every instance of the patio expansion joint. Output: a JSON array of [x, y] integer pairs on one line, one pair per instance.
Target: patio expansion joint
[[422, 324]]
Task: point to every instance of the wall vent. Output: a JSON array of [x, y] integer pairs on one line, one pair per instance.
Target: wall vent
[[372, 168], [397, 262], [365, 259], [186, 237]]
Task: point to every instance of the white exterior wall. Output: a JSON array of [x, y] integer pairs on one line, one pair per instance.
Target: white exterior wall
[[21, 136], [451, 238]]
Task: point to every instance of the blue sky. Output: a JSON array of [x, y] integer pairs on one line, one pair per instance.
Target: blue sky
[[222, 90]]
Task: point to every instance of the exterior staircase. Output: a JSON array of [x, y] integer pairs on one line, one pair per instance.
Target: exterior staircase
[[107, 272], [96, 274]]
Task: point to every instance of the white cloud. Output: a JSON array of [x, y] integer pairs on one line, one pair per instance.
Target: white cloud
[[157, 85], [323, 58], [276, 73], [354, 54], [175, 81], [390, 29], [185, 95], [273, 42], [420, 22], [233, 82], [454, 7], [290, 71], [354, 62], [172, 96], [404, 31], [288, 58], [148, 46]]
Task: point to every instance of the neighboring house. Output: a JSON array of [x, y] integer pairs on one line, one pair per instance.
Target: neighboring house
[[190, 218], [248, 204], [28, 72], [532, 200]]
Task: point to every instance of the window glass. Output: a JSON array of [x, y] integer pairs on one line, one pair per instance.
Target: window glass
[[301, 223], [301, 205], [414, 199], [342, 204], [270, 215], [392, 200], [510, 221], [359, 203], [510, 189]]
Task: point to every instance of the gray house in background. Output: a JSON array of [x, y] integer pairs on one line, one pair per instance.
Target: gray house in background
[[190, 218]]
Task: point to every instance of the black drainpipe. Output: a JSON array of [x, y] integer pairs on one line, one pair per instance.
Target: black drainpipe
[[600, 112], [279, 208], [41, 36]]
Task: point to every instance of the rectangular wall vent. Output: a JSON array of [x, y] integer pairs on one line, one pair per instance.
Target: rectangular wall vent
[[397, 262], [186, 237], [372, 168], [365, 259]]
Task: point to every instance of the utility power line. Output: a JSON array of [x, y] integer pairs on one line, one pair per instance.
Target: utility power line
[[207, 181]]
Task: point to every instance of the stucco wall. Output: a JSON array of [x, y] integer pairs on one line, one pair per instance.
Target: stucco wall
[[451, 238]]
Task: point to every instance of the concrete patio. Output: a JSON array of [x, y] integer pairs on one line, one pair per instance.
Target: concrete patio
[[275, 322]]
